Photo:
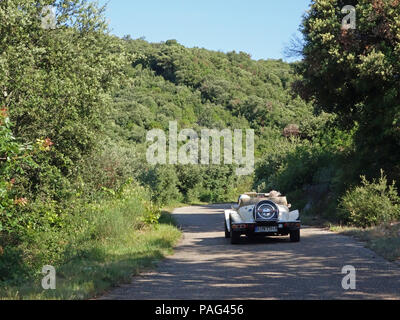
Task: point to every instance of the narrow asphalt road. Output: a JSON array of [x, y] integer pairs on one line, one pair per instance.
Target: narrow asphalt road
[[206, 266]]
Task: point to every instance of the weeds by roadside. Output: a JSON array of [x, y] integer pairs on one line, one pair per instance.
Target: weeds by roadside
[[383, 239], [100, 246]]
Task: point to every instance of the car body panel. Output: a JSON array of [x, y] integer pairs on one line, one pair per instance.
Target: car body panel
[[243, 213]]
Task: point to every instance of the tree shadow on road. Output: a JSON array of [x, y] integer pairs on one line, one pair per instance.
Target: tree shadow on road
[[268, 268]]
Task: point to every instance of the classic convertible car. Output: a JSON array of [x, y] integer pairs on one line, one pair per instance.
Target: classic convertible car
[[262, 214]]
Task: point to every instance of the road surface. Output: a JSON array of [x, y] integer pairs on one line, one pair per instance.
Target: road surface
[[206, 266]]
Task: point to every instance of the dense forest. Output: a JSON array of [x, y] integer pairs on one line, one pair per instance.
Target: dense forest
[[76, 104]]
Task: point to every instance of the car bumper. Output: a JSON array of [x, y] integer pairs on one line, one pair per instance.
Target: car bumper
[[279, 228]]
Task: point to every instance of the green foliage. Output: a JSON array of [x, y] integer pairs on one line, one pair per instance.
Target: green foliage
[[371, 203], [163, 182], [203, 89], [152, 213], [87, 226], [74, 176], [100, 245], [355, 74], [219, 183], [15, 158], [351, 77], [191, 179], [56, 84], [312, 172]]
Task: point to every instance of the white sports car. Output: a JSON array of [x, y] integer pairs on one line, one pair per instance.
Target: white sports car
[[266, 214]]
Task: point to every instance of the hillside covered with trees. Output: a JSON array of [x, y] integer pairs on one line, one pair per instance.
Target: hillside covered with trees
[[76, 190]]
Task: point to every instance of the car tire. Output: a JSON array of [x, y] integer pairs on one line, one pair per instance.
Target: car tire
[[227, 233], [235, 236], [295, 236]]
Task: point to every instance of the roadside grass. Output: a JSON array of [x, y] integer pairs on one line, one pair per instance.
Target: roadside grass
[[115, 246], [101, 266], [383, 239], [312, 220]]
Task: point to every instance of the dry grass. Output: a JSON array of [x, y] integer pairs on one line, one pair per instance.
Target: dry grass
[[383, 239]]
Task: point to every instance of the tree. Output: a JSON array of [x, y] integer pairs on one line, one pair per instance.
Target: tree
[[15, 158], [355, 74], [56, 82]]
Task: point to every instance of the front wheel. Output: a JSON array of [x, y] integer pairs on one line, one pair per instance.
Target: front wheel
[[295, 236]]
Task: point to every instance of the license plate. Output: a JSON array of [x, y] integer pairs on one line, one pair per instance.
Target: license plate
[[266, 229]]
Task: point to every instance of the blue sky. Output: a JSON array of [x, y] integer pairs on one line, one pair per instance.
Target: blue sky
[[259, 27]]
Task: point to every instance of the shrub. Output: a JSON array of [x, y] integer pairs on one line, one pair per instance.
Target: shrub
[[14, 159], [371, 203], [163, 182], [219, 184], [91, 225]]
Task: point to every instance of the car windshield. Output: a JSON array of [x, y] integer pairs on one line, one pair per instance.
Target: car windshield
[[253, 199]]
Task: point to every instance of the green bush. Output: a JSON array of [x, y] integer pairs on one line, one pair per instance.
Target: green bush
[[89, 225], [219, 184], [371, 203], [163, 182], [15, 158]]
